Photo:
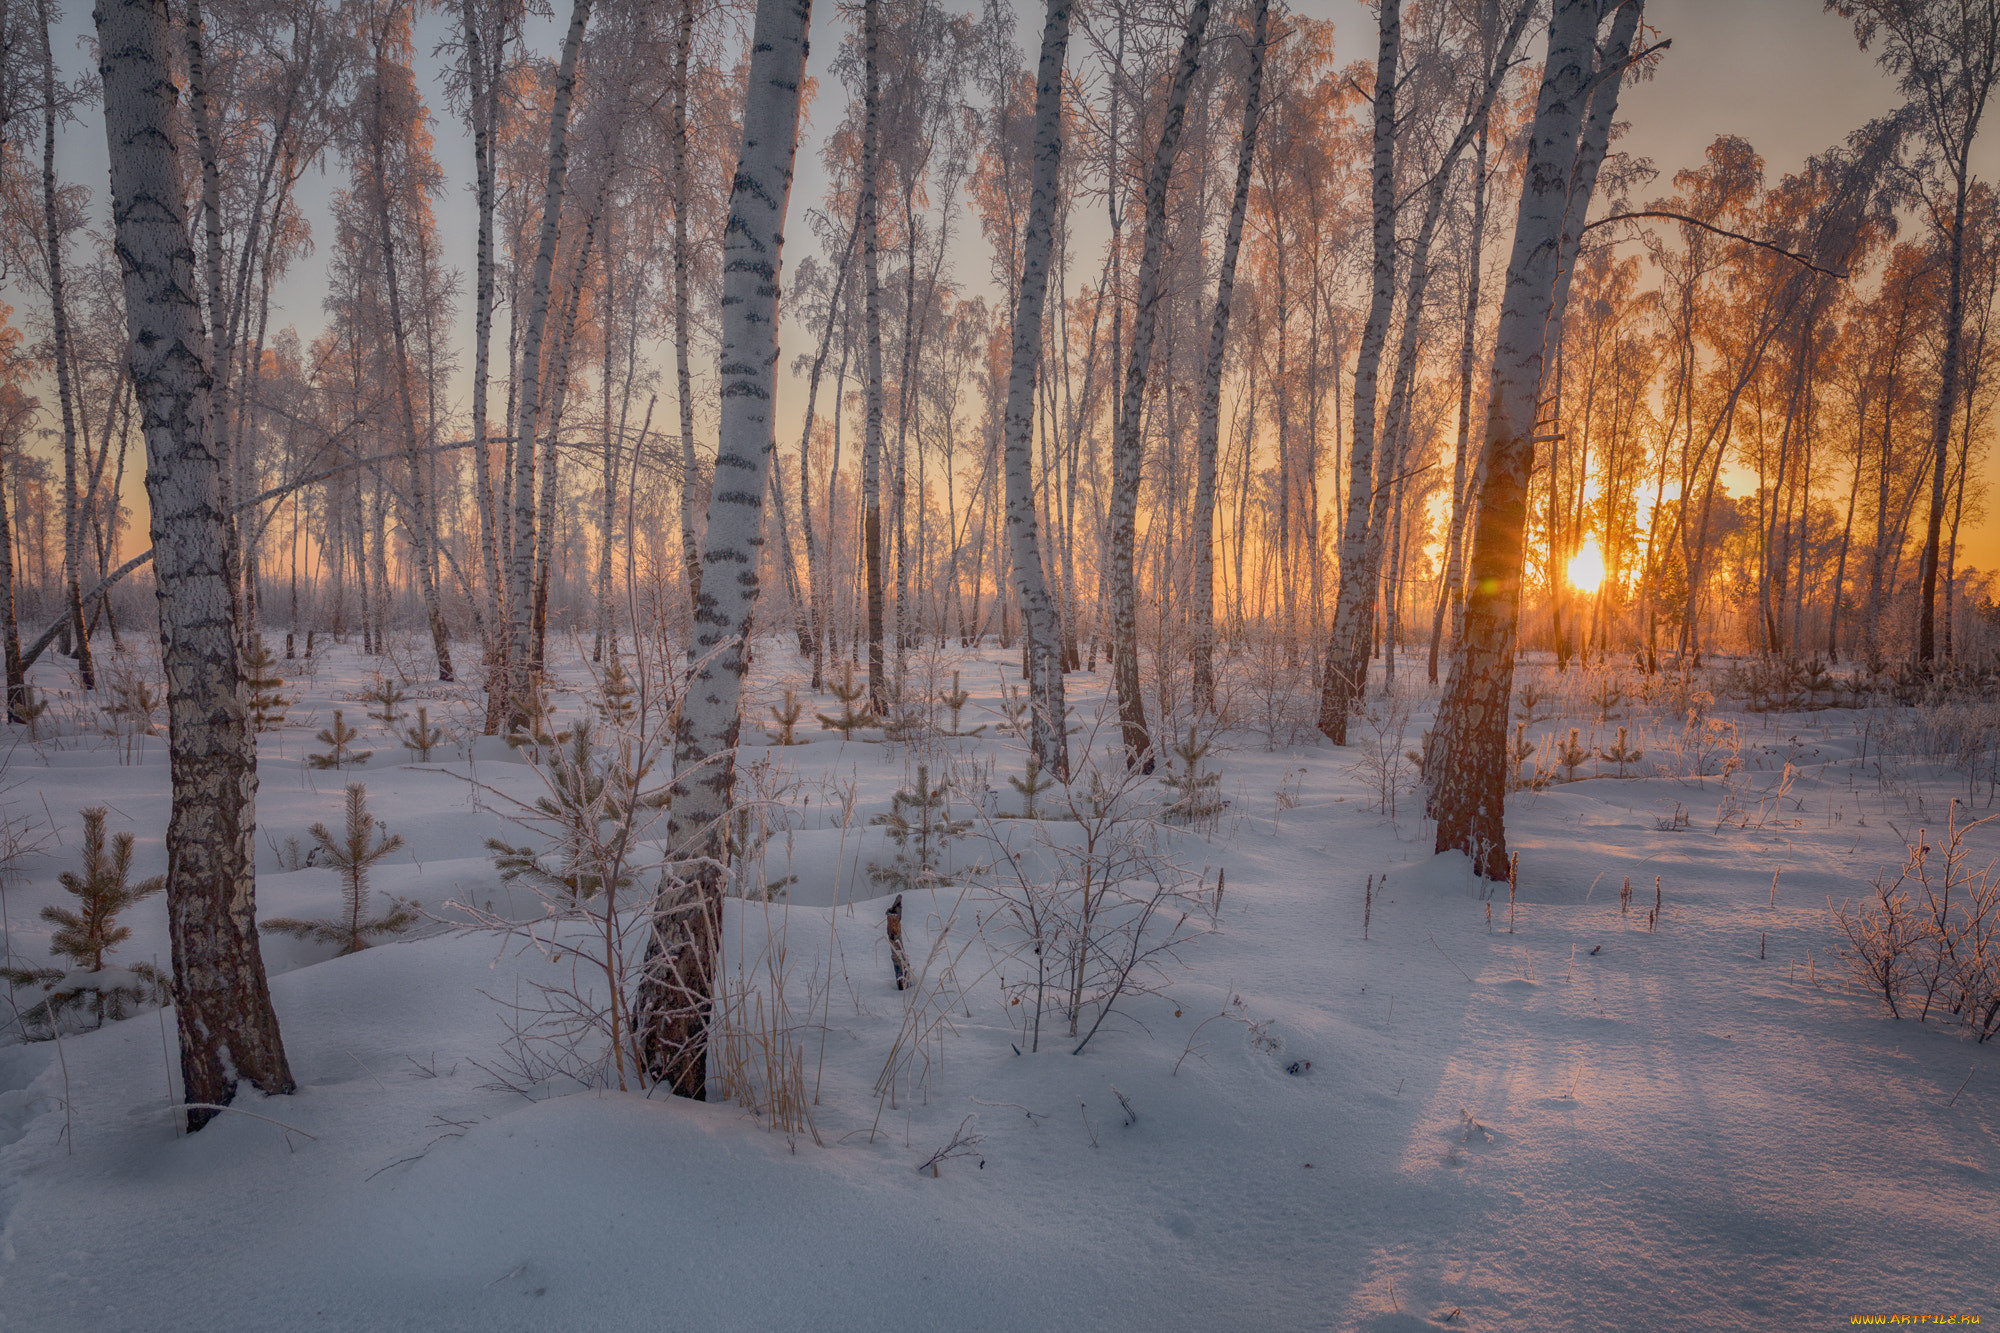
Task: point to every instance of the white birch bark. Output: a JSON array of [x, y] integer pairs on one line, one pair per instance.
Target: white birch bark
[[481, 105], [66, 389], [683, 374], [1047, 731], [1338, 687], [423, 535], [1366, 585], [521, 576], [1451, 597], [228, 1029], [1127, 452], [1209, 433], [871, 290], [1468, 771], [676, 993]]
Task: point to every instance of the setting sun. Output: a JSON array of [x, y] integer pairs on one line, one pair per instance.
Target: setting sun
[[1586, 568]]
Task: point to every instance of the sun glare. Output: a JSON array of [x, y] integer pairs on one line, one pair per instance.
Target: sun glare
[[1586, 568]]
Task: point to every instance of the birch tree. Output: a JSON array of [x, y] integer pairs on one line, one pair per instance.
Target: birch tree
[[1467, 766], [1127, 452], [528, 422], [1040, 626], [1946, 56], [228, 1029], [677, 990], [1209, 430], [1337, 686]]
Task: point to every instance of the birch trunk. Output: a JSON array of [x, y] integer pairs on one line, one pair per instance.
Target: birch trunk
[[66, 389], [1468, 756], [1386, 501], [1127, 452], [1451, 597], [10, 628], [1047, 729], [816, 574], [684, 377], [871, 287], [1949, 372], [481, 104], [1339, 685], [424, 531], [222, 999], [521, 593], [1210, 431], [677, 990]]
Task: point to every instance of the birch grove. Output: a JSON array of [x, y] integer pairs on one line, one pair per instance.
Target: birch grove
[[1142, 363]]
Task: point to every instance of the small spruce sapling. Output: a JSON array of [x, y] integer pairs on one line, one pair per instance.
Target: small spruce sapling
[[423, 738], [851, 718], [353, 855], [1197, 792], [264, 697], [388, 696], [920, 825], [339, 740]]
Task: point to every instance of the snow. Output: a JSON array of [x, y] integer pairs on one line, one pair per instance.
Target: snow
[[1577, 1124]]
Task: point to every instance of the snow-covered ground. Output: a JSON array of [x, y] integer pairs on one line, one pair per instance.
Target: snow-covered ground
[[1542, 1114]]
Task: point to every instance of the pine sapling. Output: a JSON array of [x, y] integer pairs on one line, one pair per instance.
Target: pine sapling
[[1030, 786], [1197, 793], [955, 699], [89, 932], [86, 932], [1572, 756], [353, 855], [388, 696], [1523, 751], [1015, 709], [851, 718], [1621, 754], [264, 697], [339, 740], [617, 697], [787, 715], [920, 825], [536, 731], [423, 738]]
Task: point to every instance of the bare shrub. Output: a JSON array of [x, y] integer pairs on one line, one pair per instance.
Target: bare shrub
[[1932, 935]]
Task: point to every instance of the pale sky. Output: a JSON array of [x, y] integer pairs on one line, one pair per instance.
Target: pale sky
[[1781, 73]]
